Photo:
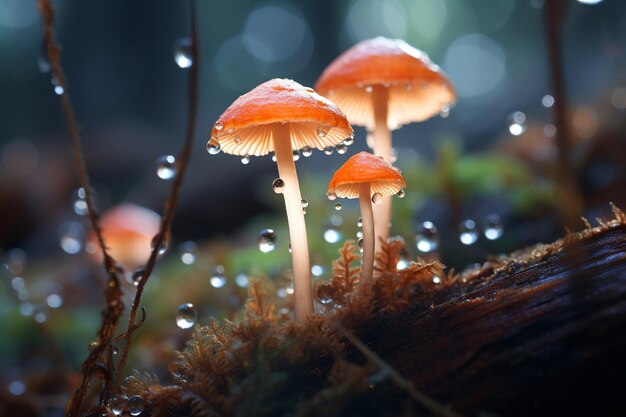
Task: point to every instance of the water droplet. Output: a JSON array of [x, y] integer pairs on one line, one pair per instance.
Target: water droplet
[[403, 262], [305, 202], [238, 139], [166, 167], [218, 279], [281, 292], [517, 124], [164, 244], [40, 317], [242, 281], [58, 89], [72, 237], [278, 185], [348, 141], [79, 203], [338, 206], [369, 88], [296, 155], [359, 222], [274, 158], [117, 403], [267, 240], [359, 234], [16, 260], [436, 279], [359, 243], [341, 149], [323, 296], [331, 196], [427, 238], [17, 387], [322, 131], [213, 147], [43, 63], [182, 53], [135, 405], [186, 316], [230, 130], [549, 130], [332, 235], [445, 111], [547, 101], [54, 301], [408, 87], [317, 270], [329, 150], [306, 151], [468, 234], [335, 219], [401, 193], [245, 160], [377, 198], [188, 252], [289, 248], [218, 126], [136, 277], [492, 227]]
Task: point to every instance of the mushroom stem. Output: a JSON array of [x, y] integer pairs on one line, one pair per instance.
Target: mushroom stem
[[367, 217], [295, 218], [382, 147]]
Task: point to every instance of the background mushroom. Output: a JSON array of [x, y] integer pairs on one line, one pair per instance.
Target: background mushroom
[[281, 115], [383, 84], [128, 230], [369, 178]]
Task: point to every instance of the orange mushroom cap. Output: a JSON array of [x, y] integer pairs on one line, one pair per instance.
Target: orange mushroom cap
[[245, 128], [128, 230], [365, 167], [418, 89]]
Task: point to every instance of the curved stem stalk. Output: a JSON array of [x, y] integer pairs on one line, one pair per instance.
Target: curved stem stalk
[[295, 218], [382, 147], [367, 217]]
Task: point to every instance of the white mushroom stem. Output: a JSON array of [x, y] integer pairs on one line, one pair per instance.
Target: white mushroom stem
[[295, 218], [382, 147], [367, 217]]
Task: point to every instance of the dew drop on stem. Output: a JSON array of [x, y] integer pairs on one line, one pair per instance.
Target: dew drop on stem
[[186, 316], [182, 53]]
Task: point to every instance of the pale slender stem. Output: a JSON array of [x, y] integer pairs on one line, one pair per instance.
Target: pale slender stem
[[367, 217], [295, 218], [382, 147]]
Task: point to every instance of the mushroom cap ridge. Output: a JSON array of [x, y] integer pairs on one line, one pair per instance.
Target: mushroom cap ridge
[[418, 89], [365, 167], [245, 128]]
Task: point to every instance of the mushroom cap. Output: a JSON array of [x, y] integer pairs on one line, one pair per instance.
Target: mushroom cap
[[418, 89], [365, 167], [128, 230], [245, 128]]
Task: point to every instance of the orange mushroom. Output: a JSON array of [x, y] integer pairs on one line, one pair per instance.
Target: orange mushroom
[[128, 230], [368, 178], [281, 116], [383, 84]]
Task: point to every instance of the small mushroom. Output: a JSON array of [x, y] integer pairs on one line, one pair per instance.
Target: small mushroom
[[128, 230], [383, 84], [281, 115], [369, 178]]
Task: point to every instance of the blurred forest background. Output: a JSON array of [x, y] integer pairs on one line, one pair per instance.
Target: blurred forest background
[[490, 161]]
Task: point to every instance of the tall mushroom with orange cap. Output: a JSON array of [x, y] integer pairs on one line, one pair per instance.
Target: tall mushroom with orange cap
[[282, 116], [383, 84], [368, 178]]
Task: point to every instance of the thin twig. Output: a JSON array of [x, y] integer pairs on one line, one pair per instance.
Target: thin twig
[[172, 201], [113, 292], [423, 399]]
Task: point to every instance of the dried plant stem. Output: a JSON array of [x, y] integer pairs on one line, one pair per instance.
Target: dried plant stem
[[382, 147], [423, 399], [570, 199], [113, 293], [295, 217], [367, 218], [172, 201]]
